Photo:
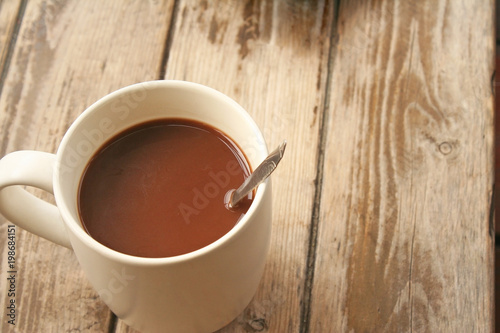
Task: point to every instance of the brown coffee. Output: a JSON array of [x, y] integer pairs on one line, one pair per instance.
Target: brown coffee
[[157, 189]]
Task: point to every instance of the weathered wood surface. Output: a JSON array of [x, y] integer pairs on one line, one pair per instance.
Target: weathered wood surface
[[382, 205], [404, 239]]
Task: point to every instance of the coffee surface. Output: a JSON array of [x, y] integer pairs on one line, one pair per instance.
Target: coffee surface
[[157, 190]]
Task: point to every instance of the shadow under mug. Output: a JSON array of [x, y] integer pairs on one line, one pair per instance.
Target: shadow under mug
[[200, 291]]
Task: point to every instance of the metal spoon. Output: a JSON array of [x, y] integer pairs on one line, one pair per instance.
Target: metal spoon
[[260, 174]]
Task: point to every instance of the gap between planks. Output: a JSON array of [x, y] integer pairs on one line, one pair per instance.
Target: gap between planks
[[305, 310], [168, 41], [12, 43]]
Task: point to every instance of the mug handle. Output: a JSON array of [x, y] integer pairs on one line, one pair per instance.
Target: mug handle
[[32, 168]]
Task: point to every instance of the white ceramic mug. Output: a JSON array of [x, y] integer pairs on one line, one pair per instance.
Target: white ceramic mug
[[200, 291]]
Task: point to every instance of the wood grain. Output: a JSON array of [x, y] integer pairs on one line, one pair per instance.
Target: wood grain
[[404, 239], [9, 12], [67, 55]]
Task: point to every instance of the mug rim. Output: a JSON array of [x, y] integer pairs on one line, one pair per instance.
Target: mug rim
[[74, 226]]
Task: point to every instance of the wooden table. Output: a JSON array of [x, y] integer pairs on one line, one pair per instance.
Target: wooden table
[[382, 205]]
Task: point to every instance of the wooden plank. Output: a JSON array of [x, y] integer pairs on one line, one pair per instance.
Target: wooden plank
[[9, 11], [405, 241], [68, 54], [271, 57]]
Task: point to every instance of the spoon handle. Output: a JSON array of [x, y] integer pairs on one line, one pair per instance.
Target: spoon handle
[[260, 174]]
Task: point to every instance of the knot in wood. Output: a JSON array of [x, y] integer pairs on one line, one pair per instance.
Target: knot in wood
[[258, 325], [445, 148]]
